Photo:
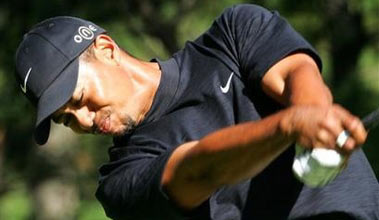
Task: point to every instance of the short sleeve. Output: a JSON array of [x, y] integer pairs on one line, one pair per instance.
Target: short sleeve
[[255, 39], [129, 186]]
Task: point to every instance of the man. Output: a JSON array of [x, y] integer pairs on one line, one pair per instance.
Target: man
[[208, 133]]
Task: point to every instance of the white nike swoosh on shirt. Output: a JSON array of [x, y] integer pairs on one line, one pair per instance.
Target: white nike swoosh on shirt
[[225, 89], [23, 87]]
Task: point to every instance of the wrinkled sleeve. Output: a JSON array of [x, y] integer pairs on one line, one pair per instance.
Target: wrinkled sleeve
[[254, 39], [129, 185]]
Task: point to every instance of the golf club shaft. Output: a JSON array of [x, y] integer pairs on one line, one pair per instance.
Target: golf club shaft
[[371, 120]]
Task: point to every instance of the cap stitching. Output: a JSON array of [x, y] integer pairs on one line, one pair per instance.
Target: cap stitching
[[52, 45]]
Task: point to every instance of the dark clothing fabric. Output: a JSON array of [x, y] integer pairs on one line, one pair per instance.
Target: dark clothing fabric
[[193, 100]]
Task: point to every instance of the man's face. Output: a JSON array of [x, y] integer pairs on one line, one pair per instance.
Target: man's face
[[100, 102]]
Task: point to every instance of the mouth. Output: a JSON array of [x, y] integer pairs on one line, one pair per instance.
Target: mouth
[[104, 126]]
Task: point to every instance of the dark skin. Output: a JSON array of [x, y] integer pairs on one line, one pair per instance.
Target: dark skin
[[96, 105], [118, 87]]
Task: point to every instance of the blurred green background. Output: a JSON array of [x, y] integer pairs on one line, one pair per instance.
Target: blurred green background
[[58, 181]]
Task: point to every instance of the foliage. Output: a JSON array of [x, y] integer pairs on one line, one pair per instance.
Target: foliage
[[346, 32]]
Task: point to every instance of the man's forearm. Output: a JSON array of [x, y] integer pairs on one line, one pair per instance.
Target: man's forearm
[[225, 157], [239, 152], [304, 86]]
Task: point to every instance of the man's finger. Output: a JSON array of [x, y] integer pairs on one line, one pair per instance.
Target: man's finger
[[356, 129], [352, 125]]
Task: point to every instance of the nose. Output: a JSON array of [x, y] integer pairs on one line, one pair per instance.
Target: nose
[[83, 119]]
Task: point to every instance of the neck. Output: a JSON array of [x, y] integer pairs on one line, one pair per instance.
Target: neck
[[145, 78]]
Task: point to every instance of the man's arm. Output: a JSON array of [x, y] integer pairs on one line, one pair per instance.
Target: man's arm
[[196, 169], [296, 80]]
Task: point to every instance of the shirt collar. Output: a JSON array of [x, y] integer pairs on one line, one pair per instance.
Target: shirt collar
[[166, 91]]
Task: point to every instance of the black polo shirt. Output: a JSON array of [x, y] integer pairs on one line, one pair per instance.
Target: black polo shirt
[[212, 83]]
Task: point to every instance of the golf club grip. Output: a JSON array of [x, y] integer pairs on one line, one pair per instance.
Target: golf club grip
[[371, 120]]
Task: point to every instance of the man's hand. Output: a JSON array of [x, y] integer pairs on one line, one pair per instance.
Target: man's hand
[[319, 126]]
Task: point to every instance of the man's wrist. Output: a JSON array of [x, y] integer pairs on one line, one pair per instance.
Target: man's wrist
[[287, 126]]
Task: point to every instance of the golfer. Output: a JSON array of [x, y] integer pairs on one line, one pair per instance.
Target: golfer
[[208, 133]]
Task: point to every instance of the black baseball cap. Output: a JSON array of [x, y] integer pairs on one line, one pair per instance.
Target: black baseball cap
[[47, 65]]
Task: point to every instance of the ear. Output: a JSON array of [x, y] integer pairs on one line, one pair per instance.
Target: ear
[[106, 50]]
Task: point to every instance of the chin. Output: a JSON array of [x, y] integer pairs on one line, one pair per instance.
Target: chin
[[126, 128]]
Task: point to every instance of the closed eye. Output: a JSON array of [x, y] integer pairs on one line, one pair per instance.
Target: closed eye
[[67, 119], [57, 118], [62, 119]]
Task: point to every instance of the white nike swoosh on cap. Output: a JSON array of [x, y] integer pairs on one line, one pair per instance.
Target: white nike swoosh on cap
[[225, 89], [23, 87]]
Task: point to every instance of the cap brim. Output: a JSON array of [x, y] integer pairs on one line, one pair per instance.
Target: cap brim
[[54, 97]]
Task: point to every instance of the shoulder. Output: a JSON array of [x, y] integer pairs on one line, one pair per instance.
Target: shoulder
[[240, 11], [242, 16]]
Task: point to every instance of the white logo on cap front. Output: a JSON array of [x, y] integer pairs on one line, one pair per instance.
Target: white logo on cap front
[[85, 33], [23, 87]]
